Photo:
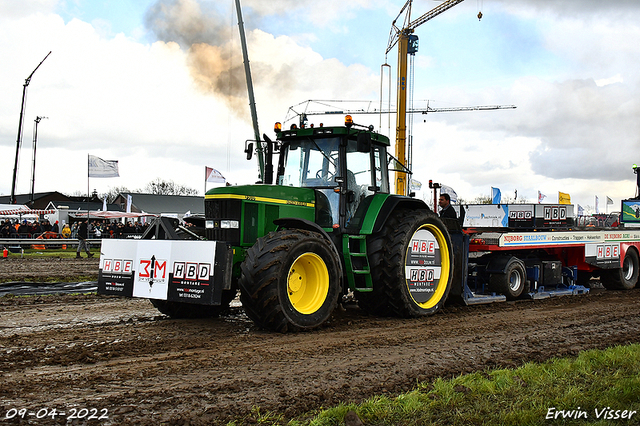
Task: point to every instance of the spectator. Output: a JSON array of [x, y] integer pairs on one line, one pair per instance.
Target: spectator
[[83, 234], [55, 228], [6, 229], [447, 210], [45, 226], [23, 229]]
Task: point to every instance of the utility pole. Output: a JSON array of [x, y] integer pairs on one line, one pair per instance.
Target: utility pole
[[19, 141], [33, 171], [252, 101]]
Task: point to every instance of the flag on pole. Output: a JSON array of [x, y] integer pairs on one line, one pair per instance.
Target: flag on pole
[[541, 197], [597, 211], [609, 200], [444, 189], [564, 198], [129, 202], [99, 168], [496, 196], [580, 210], [104, 204], [212, 175]]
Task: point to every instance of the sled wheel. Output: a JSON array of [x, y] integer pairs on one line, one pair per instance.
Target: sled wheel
[[411, 266], [513, 282], [290, 280], [624, 278]]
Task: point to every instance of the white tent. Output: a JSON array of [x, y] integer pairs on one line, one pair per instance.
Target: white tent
[[19, 211]]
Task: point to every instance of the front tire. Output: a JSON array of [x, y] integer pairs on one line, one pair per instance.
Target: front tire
[[290, 280], [624, 278], [411, 266]]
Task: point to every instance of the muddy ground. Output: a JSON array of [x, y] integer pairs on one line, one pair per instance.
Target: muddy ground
[[128, 362], [50, 269]]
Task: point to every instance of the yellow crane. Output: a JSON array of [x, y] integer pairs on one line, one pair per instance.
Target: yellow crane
[[407, 45]]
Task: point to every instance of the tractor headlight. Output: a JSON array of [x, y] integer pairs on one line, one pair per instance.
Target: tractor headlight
[[208, 224], [229, 224]]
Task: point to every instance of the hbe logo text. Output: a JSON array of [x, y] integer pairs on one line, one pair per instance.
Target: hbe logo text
[[117, 266], [424, 246]]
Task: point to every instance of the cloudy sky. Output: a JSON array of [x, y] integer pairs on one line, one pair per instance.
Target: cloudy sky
[[158, 86]]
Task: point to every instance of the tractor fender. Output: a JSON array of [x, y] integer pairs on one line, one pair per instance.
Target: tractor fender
[[392, 203], [307, 225]]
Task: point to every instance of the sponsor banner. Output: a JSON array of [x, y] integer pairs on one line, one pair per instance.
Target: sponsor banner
[[181, 271], [152, 262], [486, 216], [521, 216], [622, 236], [423, 266], [602, 254], [192, 272], [115, 276], [518, 216], [630, 211], [553, 213], [517, 239]]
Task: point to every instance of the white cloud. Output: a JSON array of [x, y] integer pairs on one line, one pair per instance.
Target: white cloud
[[611, 80], [20, 9], [139, 104], [162, 111]]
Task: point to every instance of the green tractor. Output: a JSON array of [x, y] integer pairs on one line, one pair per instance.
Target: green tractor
[[328, 227]]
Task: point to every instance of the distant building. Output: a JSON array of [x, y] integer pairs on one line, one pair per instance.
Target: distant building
[[40, 199]]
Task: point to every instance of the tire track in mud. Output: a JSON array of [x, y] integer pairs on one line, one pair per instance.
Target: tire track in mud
[[147, 369]]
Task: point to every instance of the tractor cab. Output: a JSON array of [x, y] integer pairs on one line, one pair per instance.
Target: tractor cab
[[344, 165]]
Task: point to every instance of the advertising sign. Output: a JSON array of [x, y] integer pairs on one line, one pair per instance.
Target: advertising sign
[[486, 216], [630, 211], [521, 216], [553, 215], [603, 254], [180, 271], [115, 276], [423, 266]]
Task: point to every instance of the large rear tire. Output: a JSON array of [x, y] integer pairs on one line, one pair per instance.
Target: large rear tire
[[624, 278], [290, 280], [411, 266], [179, 310]]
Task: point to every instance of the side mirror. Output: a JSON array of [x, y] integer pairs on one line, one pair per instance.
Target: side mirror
[[364, 142], [248, 149]]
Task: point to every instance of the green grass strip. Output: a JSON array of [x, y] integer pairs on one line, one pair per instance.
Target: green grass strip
[[596, 388]]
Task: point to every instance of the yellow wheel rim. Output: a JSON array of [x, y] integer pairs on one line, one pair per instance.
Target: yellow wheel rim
[[445, 266], [308, 283]]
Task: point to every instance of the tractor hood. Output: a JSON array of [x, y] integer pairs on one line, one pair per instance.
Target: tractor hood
[[265, 194]]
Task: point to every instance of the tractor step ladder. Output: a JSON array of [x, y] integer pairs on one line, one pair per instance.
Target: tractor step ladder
[[355, 257]]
